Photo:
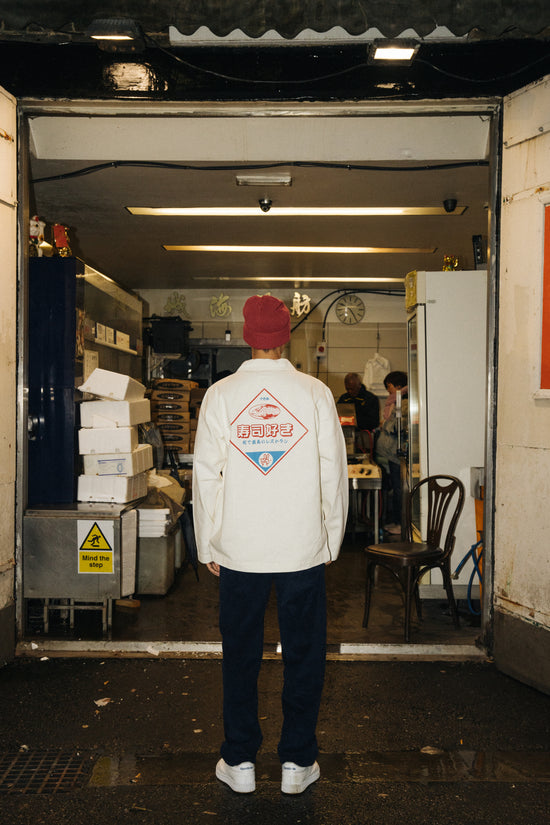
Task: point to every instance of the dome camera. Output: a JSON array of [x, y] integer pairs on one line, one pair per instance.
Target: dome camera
[[449, 204], [265, 204]]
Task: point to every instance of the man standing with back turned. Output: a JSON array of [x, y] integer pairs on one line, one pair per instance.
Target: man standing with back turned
[[270, 498]]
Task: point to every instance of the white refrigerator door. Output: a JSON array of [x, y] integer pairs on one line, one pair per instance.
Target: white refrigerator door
[[453, 388]]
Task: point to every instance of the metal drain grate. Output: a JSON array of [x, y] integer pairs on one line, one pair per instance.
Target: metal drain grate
[[45, 772]]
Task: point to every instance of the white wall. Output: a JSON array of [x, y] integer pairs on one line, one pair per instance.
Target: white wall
[[383, 328], [8, 281], [522, 519]]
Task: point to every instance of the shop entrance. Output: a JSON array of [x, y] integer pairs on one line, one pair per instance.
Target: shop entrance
[[160, 616]]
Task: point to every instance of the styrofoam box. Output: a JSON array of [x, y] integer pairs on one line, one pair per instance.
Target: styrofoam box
[[114, 413], [104, 440], [114, 385], [119, 464], [153, 513], [154, 522], [118, 489]]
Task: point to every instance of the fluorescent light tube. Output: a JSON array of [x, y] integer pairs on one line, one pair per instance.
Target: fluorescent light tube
[[327, 250]]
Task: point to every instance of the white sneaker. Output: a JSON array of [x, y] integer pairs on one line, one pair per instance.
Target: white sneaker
[[240, 778], [296, 779]]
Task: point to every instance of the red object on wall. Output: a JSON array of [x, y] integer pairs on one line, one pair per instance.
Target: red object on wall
[[545, 346]]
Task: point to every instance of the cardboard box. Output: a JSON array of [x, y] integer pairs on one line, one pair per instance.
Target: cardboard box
[[174, 384], [173, 418], [178, 442], [116, 489], [168, 428], [114, 413], [171, 407], [182, 396], [119, 464], [114, 385], [104, 440], [346, 414]]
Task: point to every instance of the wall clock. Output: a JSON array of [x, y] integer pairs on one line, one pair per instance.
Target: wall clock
[[350, 309]]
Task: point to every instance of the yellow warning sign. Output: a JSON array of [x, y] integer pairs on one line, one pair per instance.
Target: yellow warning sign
[[95, 540], [90, 562]]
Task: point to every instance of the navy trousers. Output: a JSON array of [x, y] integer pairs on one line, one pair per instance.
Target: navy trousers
[[301, 608]]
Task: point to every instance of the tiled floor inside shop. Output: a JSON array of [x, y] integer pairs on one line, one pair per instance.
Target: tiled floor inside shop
[[189, 612]]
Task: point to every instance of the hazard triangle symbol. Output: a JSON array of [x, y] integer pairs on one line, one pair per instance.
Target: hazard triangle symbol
[[95, 540]]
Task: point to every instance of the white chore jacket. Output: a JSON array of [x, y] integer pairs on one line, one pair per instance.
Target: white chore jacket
[[270, 482]]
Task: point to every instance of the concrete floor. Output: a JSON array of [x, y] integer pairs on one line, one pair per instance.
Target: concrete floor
[[189, 613]]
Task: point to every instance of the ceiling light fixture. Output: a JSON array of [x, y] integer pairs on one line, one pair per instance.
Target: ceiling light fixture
[[327, 250], [291, 211], [305, 279], [117, 34], [263, 180], [400, 51]]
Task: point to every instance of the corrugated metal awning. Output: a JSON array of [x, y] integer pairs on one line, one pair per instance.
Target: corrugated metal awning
[[489, 19]]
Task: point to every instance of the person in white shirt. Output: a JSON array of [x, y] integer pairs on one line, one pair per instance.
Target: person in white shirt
[[270, 500]]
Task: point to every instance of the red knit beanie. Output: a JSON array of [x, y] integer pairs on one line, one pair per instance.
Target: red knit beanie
[[266, 322]]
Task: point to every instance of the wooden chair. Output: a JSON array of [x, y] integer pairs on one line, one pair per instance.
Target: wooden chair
[[409, 560]]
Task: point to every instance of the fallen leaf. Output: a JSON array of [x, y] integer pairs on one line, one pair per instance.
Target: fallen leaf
[[102, 702]]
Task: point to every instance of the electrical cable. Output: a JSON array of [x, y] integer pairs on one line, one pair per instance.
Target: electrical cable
[[255, 81], [339, 73], [294, 164], [485, 79], [345, 291], [331, 75]]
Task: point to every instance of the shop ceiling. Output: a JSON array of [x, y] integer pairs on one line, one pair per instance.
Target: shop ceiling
[[311, 116], [195, 162]]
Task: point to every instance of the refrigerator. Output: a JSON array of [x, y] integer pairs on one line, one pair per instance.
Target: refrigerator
[[447, 368]]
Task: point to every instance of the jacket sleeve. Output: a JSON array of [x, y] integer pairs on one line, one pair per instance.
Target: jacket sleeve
[[209, 459], [334, 473]]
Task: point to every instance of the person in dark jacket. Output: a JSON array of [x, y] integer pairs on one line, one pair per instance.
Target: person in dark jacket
[[367, 407]]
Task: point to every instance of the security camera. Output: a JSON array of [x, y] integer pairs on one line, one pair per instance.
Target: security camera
[[449, 204], [265, 204]]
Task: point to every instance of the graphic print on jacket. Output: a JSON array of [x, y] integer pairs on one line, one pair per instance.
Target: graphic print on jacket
[[265, 431]]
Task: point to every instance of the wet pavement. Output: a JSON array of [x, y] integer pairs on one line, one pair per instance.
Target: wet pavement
[[136, 740]]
